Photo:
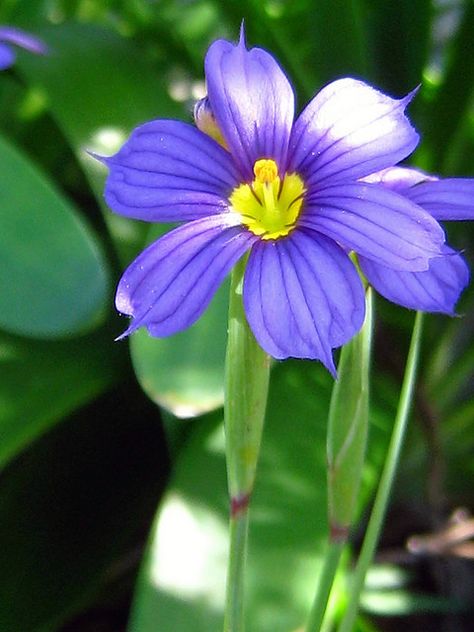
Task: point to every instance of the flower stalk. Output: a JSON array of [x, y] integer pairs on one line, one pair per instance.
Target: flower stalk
[[347, 428], [325, 584], [246, 388], [346, 445], [386, 480]]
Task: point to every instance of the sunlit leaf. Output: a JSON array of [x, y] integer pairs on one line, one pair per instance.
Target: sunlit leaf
[[185, 373], [53, 276]]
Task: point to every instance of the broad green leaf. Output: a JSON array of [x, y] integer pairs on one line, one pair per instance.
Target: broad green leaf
[[53, 276], [182, 582], [42, 382], [73, 511], [185, 373]]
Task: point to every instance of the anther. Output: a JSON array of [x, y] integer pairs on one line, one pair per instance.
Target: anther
[[266, 171]]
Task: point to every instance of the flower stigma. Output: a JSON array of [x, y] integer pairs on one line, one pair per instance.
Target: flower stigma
[[269, 206]]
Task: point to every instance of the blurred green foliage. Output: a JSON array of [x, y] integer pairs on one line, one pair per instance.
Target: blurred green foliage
[[88, 456]]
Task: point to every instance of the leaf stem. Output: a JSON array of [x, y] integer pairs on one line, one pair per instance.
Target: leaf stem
[[381, 499]]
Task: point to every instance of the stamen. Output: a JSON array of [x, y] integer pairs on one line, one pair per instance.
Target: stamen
[[269, 206], [266, 171], [269, 201]]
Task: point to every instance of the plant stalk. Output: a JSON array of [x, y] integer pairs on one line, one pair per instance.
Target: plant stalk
[[381, 499], [246, 390]]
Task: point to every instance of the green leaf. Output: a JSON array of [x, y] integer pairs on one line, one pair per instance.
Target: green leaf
[[98, 87], [398, 40], [391, 591], [52, 273], [453, 99], [96, 109], [185, 373], [73, 511], [338, 39], [42, 382], [314, 50], [182, 582]]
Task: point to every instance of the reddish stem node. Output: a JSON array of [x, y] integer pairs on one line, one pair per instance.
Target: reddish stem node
[[338, 533], [239, 505]]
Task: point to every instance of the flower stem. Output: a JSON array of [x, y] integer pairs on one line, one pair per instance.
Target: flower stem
[[346, 442], [326, 580], [381, 499], [234, 614], [246, 389]]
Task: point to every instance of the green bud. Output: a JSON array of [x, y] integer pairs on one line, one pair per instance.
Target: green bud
[[347, 428]]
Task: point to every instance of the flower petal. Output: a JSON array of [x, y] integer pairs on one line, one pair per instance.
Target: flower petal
[[169, 171], [23, 39], [434, 290], [252, 102], [302, 296], [7, 56], [398, 179], [349, 130], [171, 283], [376, 223], [448, 199]]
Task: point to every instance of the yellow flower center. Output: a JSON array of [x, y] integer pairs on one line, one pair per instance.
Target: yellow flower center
[[269, 206]]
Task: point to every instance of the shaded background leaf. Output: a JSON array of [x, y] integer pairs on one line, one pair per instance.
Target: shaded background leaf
[[44, 381]]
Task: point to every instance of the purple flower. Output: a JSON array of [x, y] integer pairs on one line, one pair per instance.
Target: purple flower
[[10, 35], [438, 288], [290, 193]]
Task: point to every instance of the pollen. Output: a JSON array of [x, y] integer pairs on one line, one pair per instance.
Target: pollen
[[269, 206], [265, 170]]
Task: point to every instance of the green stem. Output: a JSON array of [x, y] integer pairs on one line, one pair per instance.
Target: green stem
[[246, 389], [346, 444], [234, 614], [326, 580], [381, 499], [348, 422]]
